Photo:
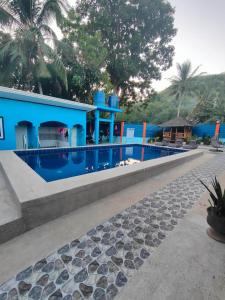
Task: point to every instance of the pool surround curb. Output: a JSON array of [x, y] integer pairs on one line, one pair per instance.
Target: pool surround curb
[[42, 201]]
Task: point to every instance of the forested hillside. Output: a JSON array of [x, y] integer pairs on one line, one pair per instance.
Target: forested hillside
[[206, 103]]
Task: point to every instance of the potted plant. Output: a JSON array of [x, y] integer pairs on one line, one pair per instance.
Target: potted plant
[[216, 210]]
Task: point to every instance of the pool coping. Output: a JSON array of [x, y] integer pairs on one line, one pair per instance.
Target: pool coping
[[43, 201]]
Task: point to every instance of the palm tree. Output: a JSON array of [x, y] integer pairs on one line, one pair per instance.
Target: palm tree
[[32, 44], [182, 83]]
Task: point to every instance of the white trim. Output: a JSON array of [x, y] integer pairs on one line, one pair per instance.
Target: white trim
[[42, 99]]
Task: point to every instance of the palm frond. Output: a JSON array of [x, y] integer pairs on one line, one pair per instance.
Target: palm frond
[[52, 9], [41, 70], [8, 15], [48, 33], [56, 62]]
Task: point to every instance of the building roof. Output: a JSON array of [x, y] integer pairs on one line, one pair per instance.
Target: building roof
[[177, 122], [19, 95]]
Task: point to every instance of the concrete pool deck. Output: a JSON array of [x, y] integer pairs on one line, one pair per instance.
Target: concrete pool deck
[[41, 201], [189, 265], [40, 241]]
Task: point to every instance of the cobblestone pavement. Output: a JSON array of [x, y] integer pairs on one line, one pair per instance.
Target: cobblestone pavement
[[99, 264]]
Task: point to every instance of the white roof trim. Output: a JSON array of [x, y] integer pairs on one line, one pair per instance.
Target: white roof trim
[[14, 94]]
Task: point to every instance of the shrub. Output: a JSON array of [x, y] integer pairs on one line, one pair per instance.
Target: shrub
[[159, 136], [193, 138], [206, 139], [150, 140]]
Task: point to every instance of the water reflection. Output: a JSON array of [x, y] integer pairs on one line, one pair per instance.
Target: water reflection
[[58, 165]]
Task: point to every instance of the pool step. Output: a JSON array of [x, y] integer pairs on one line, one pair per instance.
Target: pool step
[[11, 221]]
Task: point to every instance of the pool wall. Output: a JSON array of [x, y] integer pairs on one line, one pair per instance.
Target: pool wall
[[41, 201]]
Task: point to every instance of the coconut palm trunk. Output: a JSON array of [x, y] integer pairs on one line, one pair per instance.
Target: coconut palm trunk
[[40, 88], [179, 107]]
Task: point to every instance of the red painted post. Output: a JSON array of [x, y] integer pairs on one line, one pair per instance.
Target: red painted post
[[121, 132], [217, 131], [144, 132]]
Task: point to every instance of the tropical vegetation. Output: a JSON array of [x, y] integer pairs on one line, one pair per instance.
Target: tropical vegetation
[[206, 103], [182, 83], [117, 45], [25, 51]]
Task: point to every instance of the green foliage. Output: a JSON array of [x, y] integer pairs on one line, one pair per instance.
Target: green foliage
[[206, 139], [182, 83], [211, 100], [192, 138], [84, 57], [205, 104], [137, 36], [217, 197], [27, 44]]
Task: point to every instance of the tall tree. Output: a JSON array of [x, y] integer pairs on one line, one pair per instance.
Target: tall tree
[[137, 35], [31, 43], [211, 104], [182, 83], [84, 58]]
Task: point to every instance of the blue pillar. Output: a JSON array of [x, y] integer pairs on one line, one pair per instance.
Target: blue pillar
[[84, 134], [35, 140], [96, 158], [111, 128], [70, 129], [97, 127], [111, 157]]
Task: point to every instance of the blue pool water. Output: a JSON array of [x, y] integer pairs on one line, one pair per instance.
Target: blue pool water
[[55, 164]]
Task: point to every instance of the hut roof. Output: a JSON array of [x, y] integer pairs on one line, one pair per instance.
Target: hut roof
[[177, 122]]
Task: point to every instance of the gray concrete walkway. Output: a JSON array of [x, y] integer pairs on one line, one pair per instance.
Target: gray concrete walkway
[[39, 242], [8, 209], [187, 266], [10, 215], [100, 263]]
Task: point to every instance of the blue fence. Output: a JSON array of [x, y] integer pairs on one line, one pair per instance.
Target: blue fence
[[199, 130], [151, 130], [208, 130]]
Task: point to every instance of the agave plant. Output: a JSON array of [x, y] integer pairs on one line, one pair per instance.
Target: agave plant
[[32, 43], [217, 201]]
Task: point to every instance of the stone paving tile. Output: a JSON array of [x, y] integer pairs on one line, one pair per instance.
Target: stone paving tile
[[99, 264]]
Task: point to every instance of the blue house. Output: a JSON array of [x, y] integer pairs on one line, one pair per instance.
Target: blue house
[[29, 120]]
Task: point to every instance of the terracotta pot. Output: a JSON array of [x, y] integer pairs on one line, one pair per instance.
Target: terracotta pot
[[217, 223]]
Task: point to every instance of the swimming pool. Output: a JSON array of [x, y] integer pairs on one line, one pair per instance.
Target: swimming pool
[[55, 164]]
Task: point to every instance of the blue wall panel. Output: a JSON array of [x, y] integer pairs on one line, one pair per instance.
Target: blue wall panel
[[208, 129], [151, 131], [204, 130], [200, 130]]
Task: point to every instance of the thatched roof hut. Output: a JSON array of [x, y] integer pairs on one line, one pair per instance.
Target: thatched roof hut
[[177, 122], [178, 128]]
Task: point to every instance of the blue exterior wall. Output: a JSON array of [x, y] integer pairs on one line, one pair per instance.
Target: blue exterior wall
[[208, 129], [14, 111], [199, 130], [151, 130]]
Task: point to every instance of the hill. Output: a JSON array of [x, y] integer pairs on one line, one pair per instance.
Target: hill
[[207, 91]]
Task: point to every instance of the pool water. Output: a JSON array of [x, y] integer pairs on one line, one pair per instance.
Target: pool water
[[55, 164]]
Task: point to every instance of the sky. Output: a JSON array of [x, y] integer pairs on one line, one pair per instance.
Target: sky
[[200, 37]]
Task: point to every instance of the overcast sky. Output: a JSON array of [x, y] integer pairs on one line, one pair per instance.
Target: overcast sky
[[200, 37]]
